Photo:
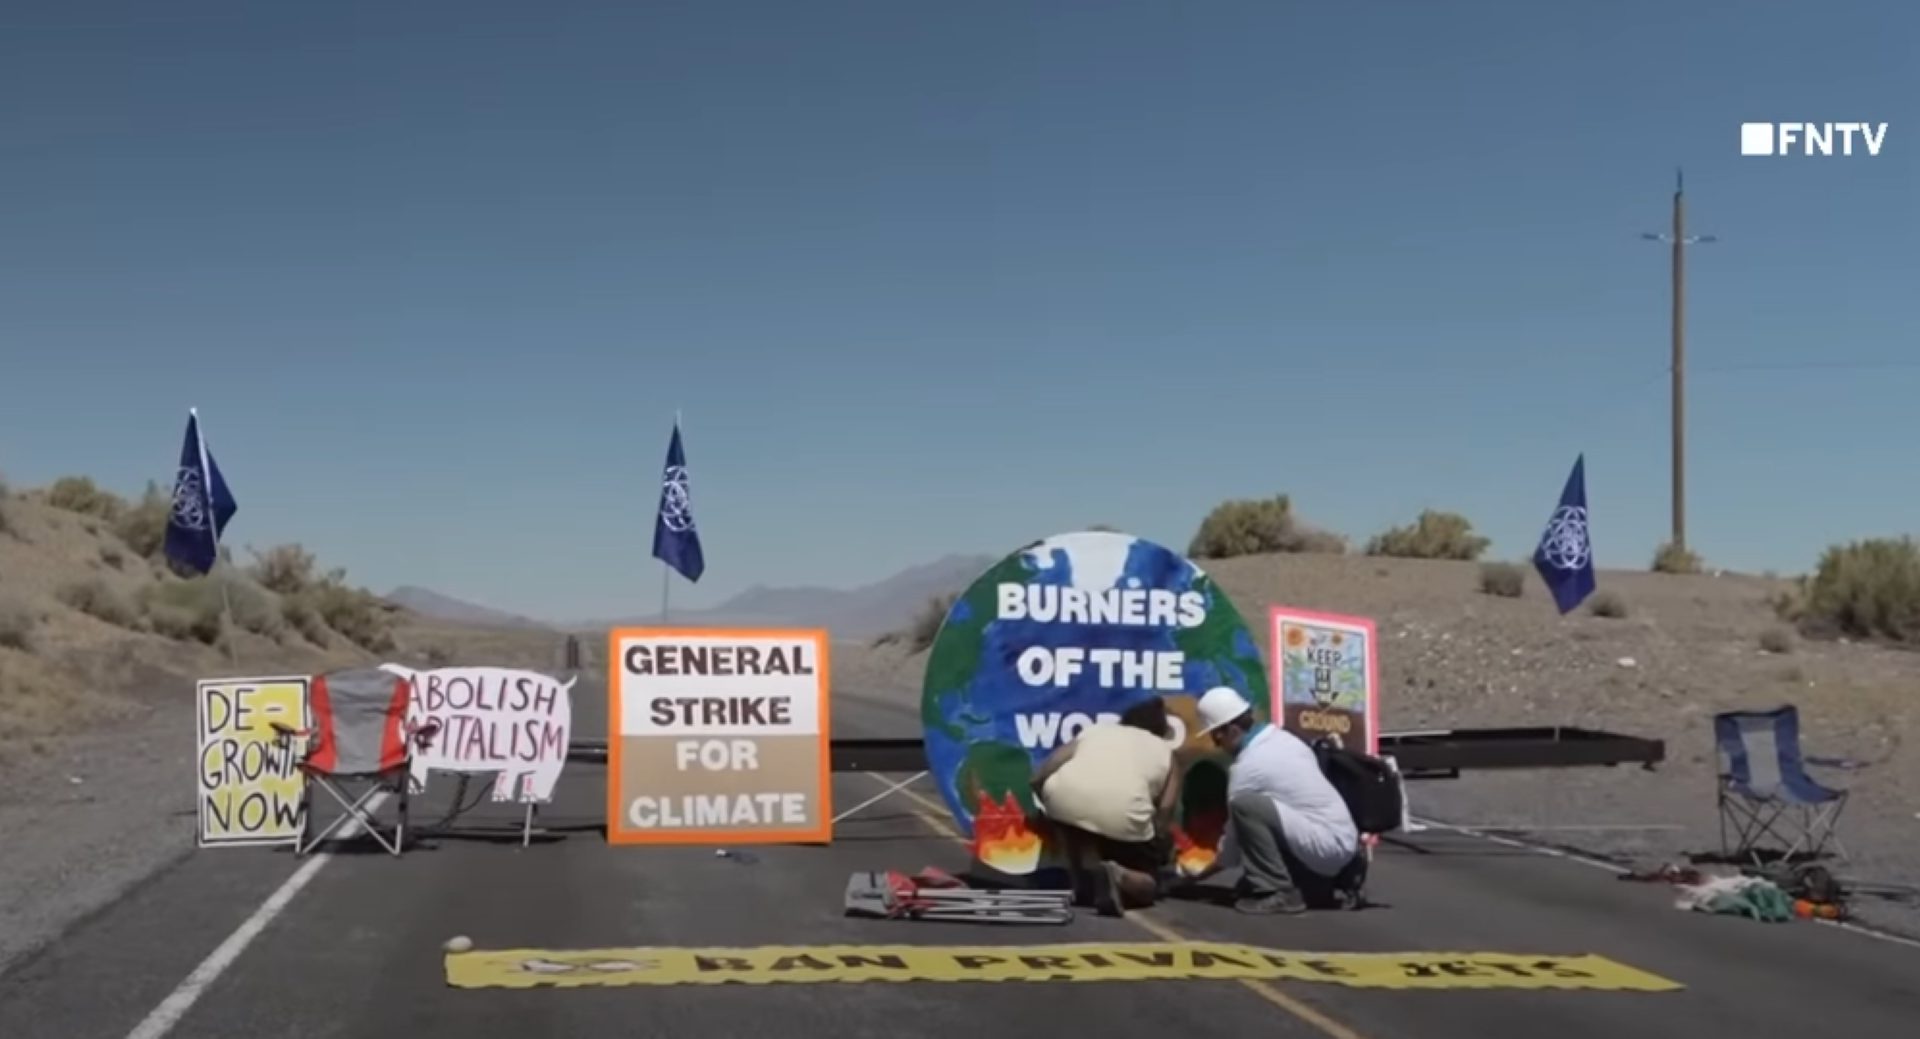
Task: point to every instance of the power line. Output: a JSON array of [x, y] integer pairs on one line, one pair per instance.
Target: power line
[[1805, 366]]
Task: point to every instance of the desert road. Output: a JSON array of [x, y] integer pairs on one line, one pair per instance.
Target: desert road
[[248, 943]]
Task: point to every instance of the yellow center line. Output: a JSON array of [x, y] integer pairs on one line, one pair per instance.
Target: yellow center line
[[935, 816]]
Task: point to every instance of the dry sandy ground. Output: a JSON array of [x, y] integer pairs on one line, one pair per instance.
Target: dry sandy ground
[[1689, 646]]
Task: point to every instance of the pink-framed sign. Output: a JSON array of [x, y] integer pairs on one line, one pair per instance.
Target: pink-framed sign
[[1326, 676]]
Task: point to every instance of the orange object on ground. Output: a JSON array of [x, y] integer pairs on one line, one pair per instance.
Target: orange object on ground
[[1817, 910]]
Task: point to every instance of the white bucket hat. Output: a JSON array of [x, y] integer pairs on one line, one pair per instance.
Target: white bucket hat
[[1220, 705]]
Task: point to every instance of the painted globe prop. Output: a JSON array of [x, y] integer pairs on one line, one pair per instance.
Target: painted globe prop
[[1065, 632]]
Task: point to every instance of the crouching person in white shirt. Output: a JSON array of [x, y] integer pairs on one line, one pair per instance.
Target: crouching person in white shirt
[[1288, 828]]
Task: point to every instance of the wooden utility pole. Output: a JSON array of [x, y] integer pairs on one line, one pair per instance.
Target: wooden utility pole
[[1679, 240]]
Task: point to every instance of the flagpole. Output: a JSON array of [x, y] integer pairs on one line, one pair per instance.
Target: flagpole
[[213, 535], [666, 572], [226, 607]]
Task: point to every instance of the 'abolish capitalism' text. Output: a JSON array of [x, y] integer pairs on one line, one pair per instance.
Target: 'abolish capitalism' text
[[466, 736]]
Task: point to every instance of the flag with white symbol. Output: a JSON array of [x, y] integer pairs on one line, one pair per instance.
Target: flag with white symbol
[[202, 504], [676, 541], [1565, 555]]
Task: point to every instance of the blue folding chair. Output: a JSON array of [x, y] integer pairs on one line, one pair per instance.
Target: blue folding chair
[[1765, 788]]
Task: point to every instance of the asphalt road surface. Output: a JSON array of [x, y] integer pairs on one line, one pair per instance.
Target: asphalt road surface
[[356, 950]]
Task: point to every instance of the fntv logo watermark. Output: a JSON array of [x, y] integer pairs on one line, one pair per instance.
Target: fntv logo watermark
[[1810, 138]]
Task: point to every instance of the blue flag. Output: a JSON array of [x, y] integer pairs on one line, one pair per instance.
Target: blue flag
[[676, 542], [202, 504], [1565, 555]]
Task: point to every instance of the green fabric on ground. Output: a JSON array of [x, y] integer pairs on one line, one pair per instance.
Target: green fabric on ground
[[1759, 900]]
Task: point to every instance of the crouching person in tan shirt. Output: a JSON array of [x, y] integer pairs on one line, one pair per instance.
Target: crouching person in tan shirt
[[1111, 794]]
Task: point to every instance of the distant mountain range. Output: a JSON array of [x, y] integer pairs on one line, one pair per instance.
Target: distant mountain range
[[858, 613], [429, 603]]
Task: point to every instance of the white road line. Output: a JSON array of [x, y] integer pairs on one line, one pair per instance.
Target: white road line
[[1540, 849], [168, 1014], [1616, 869]]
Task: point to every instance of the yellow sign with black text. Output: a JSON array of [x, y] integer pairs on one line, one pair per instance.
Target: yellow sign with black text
[[1146, 961]]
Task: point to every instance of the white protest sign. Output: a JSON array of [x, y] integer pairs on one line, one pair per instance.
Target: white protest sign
[[492, 719]]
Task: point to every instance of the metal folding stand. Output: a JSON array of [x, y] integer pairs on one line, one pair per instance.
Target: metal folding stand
[[444, 826], [357, 812], [891, 896]]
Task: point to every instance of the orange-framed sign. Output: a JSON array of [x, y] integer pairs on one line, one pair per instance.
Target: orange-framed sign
[[718, 736]]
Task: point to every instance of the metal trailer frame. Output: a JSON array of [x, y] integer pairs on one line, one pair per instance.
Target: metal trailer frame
[[1423, 754]]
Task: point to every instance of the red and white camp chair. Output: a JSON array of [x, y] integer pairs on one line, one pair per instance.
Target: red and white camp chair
[[360, 738]]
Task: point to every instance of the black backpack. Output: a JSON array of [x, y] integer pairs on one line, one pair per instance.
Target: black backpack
[[1365, 783]]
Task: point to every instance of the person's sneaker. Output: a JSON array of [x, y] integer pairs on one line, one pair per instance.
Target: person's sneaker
[[1278, 903], [1106, 891]]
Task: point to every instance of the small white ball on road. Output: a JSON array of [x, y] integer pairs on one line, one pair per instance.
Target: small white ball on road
[[458, 943]]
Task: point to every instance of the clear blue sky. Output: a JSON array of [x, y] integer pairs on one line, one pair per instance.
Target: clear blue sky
[[932, 277]]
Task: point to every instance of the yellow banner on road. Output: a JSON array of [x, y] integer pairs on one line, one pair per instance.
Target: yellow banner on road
[[1146, 961]]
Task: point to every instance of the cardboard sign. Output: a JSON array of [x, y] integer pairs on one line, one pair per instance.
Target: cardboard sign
[[1327, 669], [1062, 634], [248, 790], [492, 720], [718, 736]]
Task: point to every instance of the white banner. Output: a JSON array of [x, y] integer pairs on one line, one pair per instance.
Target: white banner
[[492, 720]]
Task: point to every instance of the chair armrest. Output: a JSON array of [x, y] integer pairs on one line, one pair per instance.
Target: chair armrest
[[422, 735], [303, 741]]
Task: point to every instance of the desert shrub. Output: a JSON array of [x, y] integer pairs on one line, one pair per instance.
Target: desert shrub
[[1789, 603], [96, 599], [6, 522], [113, 557], [80, 494], [303, 618], [1675, 559], [925, 626], [360, 617], [255, 609], [1776, 640], [926, 623], [439, 656], [16, 626], [1435, 535], [1607, 604], [1255, 526], [143, 526], [286, 569], [187, 611], [1503, 579], [1867, 589]]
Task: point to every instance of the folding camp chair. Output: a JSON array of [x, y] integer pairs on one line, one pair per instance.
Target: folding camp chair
[[361, 737], [1764, 787]]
